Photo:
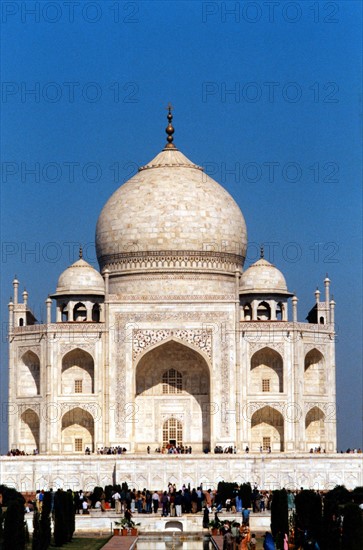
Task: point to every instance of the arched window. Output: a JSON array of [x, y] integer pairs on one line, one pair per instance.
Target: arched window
[[314, 373], [29, 430], [247, 310], [172, 432], [80, 312], [263, 312], [77, 430], [21, 322], [96, 313], [77, 372], [279, 310], [266, 371], [267, 429], [29, 375], [64, 313], [172, 381], [322, 320]]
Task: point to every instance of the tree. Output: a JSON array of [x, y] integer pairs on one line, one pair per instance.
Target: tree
[[41, 524], [64, 517], [279, 516], [12, 521], [245, 494], [334, 502], [352, 527], [308, 517]]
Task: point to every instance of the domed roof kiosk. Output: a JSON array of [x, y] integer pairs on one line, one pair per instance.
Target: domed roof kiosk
[[263, 292], [80, 293]]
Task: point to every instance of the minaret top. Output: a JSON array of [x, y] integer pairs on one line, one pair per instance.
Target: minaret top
[[169, 129]]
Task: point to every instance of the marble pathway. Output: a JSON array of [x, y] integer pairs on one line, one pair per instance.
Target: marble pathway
[[119, 543]]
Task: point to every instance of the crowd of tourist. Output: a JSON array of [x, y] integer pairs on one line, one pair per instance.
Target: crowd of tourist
[[218, 449], [108, 450], [172, 449], [172, 502], [18, 452]]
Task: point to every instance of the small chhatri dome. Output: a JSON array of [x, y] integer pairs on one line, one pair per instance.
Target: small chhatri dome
[[80, 278], [171, 209], [262, 277]]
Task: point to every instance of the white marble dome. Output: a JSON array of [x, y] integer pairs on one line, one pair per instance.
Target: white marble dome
[[262, 277], [80, 278], [170, 208]]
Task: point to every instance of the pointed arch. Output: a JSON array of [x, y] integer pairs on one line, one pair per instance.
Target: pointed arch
[[314, 428], [64, 313], [79, 312], [279, 311], [247, 312], [314, 373], [29, 375], [77, 430], [77, 372], [173, 377], [96, 313], [263, 311], [29, 430], [266, 364], [177, 340], [267, 429]]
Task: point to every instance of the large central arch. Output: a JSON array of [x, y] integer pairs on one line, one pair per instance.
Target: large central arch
[[172, 380]]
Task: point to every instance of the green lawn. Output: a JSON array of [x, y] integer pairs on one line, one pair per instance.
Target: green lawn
[[85, 544], [82, 544]]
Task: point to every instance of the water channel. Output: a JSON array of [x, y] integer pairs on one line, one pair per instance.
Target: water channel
[[173, 541]]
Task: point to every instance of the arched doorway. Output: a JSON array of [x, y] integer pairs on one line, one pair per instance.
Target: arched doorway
[[172, 433], [172, 383]]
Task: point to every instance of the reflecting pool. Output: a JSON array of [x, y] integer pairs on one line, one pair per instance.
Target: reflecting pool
[[170, 541]]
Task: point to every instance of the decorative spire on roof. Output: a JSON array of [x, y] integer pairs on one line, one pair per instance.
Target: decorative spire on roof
[[170, 129], [262, 252], [80, 253]]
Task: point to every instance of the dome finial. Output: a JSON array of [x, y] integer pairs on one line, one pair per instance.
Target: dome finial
[[80, 253], [262, 252], [170, 129]]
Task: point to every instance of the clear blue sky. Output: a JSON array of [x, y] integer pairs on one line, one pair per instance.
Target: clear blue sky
[[267, 97]]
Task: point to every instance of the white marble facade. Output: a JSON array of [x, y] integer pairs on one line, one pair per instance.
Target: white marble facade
[[172, 341]]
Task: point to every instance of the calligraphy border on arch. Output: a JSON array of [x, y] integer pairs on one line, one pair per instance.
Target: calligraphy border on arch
[[142, 339], [184, 316]]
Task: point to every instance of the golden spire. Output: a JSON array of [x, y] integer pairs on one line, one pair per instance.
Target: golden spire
[[170, 129]]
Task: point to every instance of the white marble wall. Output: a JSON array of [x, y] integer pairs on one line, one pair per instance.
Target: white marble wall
[[317, 471]]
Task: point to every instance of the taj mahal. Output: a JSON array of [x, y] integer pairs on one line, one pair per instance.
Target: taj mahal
[[173, 342]]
